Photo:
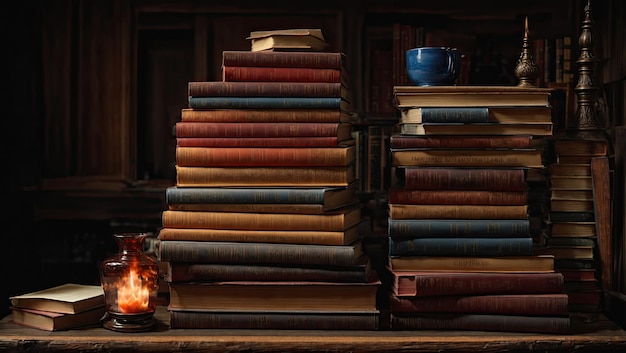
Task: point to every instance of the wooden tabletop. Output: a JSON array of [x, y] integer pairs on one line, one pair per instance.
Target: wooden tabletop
[[599, 335]]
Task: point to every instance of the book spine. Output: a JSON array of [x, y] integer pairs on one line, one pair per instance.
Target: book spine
[[280, 74], [401, 141], [504, 323], [263, 115], [426, 228], [532, 305], [325, 141], [253, 221], [246, 130], [322, 60], [263, 89], [190, 272], [456, 197], [244, 195], [240, 157], [463, 179], [253, 236], [468, 283], [243, 320], [455, 115], [264, 102], [256, 253], [253, 207], [467, 158], [264, 176], [461, 246], [457, 212], [475, 264]]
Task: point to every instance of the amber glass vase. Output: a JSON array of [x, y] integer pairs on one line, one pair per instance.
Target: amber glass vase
[[130, 283]]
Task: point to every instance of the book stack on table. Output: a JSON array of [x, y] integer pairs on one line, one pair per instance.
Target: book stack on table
[[571, 235], [459, 204], [263, 227]]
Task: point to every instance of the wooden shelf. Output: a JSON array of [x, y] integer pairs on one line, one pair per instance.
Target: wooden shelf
[[600, 335]]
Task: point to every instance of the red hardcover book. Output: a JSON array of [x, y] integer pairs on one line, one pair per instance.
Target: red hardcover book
[[424, 284], [325, 141], [342, 131], [506, 304], [266, 89], [301, 59], [282, 74], [456, 197], [240, 157], [495, 179], [416, 141], [265, 115]]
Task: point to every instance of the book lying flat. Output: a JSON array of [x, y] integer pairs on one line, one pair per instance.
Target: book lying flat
[[51, 321], [67, 298]]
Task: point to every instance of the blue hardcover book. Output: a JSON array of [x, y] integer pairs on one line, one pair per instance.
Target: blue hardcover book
[[461, 247], [462, 228], [266, 103]]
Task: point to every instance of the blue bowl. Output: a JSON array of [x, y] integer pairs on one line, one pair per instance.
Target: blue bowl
[[433, 66]]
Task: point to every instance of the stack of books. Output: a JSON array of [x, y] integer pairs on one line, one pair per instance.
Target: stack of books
[[263, 227], [63, 307], [571, 232], [461, 158]]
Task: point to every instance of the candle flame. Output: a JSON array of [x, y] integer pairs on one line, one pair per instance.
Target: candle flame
[[132, 295]]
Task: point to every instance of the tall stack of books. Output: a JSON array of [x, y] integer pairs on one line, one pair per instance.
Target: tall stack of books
[[571, 235], [460, 245], [263, 228]]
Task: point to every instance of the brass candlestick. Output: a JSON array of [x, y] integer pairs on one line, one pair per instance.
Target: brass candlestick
[[526, 69]]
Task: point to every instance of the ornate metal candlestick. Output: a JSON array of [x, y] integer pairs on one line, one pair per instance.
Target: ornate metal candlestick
[[526, 69]]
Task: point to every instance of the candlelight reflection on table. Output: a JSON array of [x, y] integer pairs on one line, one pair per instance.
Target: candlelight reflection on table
[[130, 284]]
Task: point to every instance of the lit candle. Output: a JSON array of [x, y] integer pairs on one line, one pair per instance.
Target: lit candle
[[132, 295], [526, 27]]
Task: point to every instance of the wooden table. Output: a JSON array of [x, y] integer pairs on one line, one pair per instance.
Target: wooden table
[[601, 335]]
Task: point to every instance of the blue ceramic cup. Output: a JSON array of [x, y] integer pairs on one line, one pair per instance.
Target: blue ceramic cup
[[433, 66]]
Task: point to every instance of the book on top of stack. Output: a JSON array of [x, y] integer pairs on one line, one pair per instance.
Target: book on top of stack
[[263, 227], [460, 242]]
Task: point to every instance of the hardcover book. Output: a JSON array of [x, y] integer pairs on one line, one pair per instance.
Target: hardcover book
[[470, 96], [462, 247], [53, 321], [507, 264], [266, 89], [468, 141], [288, 39], [454, 178], [300, 59], [481, 228], [342, 131], [399, 211], [456, 197], [265, 115], [536, 129], [268, 102], [529, 158], [501, 115], [69, 298]]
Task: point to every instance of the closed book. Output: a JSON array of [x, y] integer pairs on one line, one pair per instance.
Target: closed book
[[568, 242], [199, 272], [274, 320], [570, 170], [425, 284], [336, 221], [461, 246], [555, 216], [507, 264], [537, 129], [268, 102], [397, 140], [505, 115], [496, 304], [457, 197], [572, 229], [53, 321], [454, 178], [571, 182], [194, 129], [399, 211], [300, 59], [329, 197], [266, 89], [295, 208], [470, 96], [312, 237], [270, 296], [530, 158], [277, 41], [259, 253], [580, 147], [569, 205], [571, 194], [69, 298], [458, 228], [283, 74], [309, 141], [481, 322], [265, 115], [571, 253], [250, 156], [265, 176]]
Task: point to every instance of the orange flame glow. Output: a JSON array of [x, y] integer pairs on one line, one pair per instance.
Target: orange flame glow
[[132, 295]]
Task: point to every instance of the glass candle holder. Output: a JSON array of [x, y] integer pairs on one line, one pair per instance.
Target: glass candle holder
[[130, 283]]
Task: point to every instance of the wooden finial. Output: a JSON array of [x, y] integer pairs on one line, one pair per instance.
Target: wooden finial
[[526, 69]]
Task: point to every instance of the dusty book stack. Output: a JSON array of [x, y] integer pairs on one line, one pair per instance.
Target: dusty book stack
[[263, 228], [572, 228], [460, 243]]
